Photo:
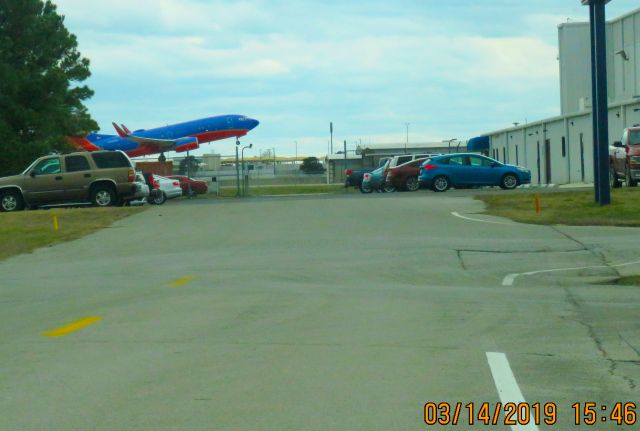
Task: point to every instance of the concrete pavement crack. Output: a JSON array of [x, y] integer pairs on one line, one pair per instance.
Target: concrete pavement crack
[[613, 363], [460, 259], [462, 250], [585, 247]]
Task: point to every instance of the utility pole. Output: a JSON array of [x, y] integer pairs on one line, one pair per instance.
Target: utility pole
[[600, 110], [274, 162], [345, 154], [331, 132], [407, 141]]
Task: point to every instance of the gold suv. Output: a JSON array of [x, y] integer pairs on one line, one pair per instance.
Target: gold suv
[[102, 178]]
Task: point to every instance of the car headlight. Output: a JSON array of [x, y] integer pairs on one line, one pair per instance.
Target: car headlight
[[525, 170]]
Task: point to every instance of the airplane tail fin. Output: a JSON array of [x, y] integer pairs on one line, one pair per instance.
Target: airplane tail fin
[[121, 133], [127, 131], [82, 143]]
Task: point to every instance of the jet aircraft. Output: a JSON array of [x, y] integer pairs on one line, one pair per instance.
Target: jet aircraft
[[178, 137]]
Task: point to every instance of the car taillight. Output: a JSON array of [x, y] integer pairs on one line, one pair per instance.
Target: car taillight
[[429, 166], [132, 175], [348, 172], [176, 183]]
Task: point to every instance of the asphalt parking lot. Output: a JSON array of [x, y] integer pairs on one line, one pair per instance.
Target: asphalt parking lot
[[325, 312]]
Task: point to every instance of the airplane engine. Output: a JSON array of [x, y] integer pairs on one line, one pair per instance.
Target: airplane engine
[[187, 144]]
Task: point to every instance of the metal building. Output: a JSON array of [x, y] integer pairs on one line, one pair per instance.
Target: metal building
[[559, 150]]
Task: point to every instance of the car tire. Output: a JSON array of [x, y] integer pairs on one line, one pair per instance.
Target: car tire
[[11, 201], [440, 184], [614, 181], [630, 181], [158, 199], [509, 182], [103, 196], [388, 187], [412, 184], [365, 189]]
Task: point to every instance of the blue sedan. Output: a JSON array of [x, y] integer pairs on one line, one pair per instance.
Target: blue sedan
[[464, 170]]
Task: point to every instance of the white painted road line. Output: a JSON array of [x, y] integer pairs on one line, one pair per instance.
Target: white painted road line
[[511, 278], [456, 214], [507, 386]]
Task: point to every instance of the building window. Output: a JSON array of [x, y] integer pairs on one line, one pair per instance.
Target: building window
[[564, 147]]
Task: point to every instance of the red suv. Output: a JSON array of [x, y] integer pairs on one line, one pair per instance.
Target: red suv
[[625, 158]]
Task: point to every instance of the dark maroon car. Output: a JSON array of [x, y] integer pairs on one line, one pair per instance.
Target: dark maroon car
[[406, 176], [198, 187]]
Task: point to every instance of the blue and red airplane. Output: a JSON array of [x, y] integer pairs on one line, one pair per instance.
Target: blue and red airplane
[[178, 137]]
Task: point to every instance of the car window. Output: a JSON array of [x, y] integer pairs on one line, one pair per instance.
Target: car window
[[76, 163], [111, 160], [403, 159], [48, 167], [479, 161], [635, 137], [457, 160]]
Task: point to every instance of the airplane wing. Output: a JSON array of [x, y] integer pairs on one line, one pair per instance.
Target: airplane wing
[[179, 145]]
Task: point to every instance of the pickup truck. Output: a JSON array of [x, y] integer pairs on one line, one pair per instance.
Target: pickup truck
[[624, 159], [354, 178], [102, 178]]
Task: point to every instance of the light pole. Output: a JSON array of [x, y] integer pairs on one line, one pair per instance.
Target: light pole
[[296, 142], [449, 141], [237, 169], [274, 162], [244, 177]]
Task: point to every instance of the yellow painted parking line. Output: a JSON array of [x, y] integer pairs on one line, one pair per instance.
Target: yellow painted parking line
[[72, 327], [181, 281]]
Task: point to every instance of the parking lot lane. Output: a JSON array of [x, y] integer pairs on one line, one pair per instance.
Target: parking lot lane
[[305, 313], [181, 281], [72, 327]]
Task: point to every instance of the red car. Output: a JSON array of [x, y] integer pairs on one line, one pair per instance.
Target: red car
[[406, 176], [198, 187]]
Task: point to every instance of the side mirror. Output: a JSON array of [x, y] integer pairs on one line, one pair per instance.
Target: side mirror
[[618, 144], [32, 174]]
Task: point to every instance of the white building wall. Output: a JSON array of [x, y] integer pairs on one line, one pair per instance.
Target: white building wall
[[526, 145], [574, 56]]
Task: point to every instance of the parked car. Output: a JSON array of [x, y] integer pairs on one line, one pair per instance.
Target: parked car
[[406, 175], [624, 159], [376, 180], [466, 169], [406, 158], [354, 178], [142, 191], [167, 189], [102, 178], [198, 187]]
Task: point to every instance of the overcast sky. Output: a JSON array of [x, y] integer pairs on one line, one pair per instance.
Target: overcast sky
[[450, 68]]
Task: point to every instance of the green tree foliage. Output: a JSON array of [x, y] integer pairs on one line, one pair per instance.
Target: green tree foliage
[[311, 165], [190, 161], [40, 96]]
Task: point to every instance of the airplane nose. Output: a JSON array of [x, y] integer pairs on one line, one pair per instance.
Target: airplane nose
[[252, 123]]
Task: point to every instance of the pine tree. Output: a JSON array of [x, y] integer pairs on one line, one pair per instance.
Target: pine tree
[[40, 95]]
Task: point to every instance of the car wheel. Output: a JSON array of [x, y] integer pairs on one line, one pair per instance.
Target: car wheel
[[388, 187], [103, 196], [366, 189], [11, 201], [412, 184], [440, 184], [509, 182], [630, 181], [614, 182], [158, 199]]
